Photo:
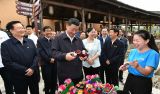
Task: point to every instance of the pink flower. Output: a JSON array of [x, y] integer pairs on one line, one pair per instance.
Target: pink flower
[[88, 77], [61, 88], [67, 81], [71, 88], [96, 75], [93, 76]]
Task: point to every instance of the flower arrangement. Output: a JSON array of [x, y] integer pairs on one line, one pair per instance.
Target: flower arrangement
[[92, 85], [67, 87]]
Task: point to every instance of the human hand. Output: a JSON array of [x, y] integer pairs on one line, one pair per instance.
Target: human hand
[[90, 61], [52, 60], [83, 58], [107, 62], [70, 56], [29, 72], [124, 67], [134, 64]]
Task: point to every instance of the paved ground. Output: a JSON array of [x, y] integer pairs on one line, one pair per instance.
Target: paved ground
[[155, 90]]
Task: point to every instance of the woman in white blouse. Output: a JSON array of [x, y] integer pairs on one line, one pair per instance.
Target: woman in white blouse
[[93, 46]]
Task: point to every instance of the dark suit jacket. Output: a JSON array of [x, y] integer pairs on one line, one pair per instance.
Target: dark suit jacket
[[49, 70], [102, 43], [18, 58], [61, 46], [113, 52], [101, 40], [125, 42], [44, 50]]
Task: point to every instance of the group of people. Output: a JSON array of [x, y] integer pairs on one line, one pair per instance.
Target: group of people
[[56, 55]]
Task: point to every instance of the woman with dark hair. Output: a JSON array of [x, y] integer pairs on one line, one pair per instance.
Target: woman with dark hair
[[144, 59], [93, 46]]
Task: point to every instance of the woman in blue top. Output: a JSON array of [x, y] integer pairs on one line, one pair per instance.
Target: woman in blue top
[[144, 59]]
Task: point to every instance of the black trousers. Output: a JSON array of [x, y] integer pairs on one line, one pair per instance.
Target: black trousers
[[120, 76], [21, 85], [138, 85], [111, 73], [0, 92], [7, 80], [102, 70], [49, 74], [91, 71]]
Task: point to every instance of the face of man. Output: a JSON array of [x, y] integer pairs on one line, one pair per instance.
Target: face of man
[[49, 33], [113, 34], [72, 29], [18, 30], [104, 32], [29, 30], [120, 33], [83, 35]]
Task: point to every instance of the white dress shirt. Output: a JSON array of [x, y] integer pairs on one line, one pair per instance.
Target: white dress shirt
[[34, 38], [3, 37], [93, 48]]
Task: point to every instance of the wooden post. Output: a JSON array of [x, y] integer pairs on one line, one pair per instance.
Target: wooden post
[[83, 20], [138, 25], [150, 27], [109, 21], [126, 25]]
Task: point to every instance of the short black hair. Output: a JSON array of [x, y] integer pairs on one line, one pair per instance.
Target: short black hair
[[46, 27], [116, 30], [29, 26], [73, 21], [9, 25]]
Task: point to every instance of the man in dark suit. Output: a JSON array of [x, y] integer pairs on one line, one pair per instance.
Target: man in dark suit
[[103, 37], [48, 65], [68, 64], [19, 57], [113, 51]]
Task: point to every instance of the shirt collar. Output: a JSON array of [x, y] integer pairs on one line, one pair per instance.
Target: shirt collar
[[47, 38], [66, 36], [17, 41]]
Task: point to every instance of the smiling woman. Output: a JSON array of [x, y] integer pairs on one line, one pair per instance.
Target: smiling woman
[[144, 59]]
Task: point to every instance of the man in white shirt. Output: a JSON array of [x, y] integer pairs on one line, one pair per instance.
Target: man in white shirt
[[3, 71], [31, 34]]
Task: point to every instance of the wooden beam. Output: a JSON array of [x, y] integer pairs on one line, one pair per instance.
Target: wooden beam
[[89, 10]]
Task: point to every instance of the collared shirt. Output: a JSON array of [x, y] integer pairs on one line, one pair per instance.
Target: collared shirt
[[3, 37], [113, 52], [93, 49], [47, 38], [33, 37], [71, 38], [104, 38], [17, 57]]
